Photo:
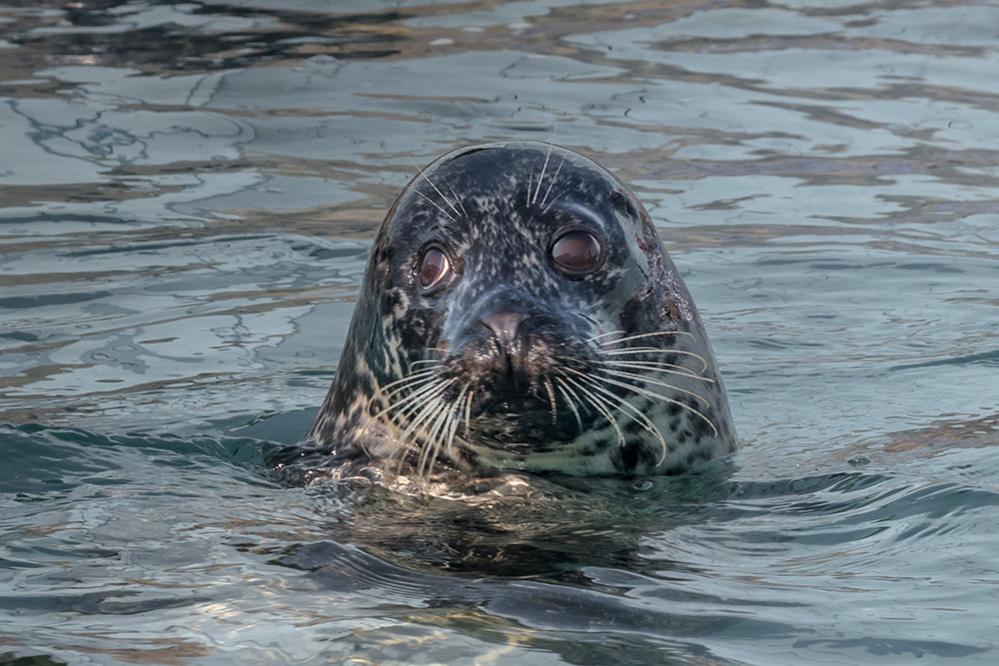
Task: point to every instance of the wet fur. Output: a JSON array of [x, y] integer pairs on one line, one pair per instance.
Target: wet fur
[[496, 207]]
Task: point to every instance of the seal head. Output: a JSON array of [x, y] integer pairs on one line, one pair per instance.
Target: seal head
[[520, 313]]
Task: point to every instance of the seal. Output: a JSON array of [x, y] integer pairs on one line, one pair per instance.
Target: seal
[[519, 313]]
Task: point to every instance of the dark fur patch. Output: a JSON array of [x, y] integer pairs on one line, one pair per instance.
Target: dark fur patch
[[602, 444], [630, 454]]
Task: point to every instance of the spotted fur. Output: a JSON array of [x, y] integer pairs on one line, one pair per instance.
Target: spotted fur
[[656, 403]]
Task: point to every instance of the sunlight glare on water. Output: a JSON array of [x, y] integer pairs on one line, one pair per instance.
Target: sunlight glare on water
[[187, 196]]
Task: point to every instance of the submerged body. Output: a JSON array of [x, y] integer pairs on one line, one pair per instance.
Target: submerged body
[[519, 313]]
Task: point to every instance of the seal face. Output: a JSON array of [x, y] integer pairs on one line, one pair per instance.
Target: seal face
[[520, 313]]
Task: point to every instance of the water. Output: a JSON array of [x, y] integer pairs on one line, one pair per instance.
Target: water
[[188, 192]]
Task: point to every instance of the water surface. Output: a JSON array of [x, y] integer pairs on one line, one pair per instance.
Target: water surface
[[187, 195]]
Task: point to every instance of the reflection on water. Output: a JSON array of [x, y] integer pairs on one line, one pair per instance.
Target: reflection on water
[[187, 194]]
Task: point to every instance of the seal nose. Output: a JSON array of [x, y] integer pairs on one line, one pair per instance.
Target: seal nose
[[503, 326]]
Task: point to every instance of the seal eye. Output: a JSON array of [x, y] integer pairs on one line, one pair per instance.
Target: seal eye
[[576, 252], [434, 267]]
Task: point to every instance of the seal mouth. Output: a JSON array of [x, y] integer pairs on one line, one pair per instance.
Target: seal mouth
[[526, 420], [517, 400]]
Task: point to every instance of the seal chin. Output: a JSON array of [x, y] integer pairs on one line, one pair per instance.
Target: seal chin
[[523, 424]]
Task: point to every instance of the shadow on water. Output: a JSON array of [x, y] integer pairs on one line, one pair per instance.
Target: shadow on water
[[546, 529], [617, 557]]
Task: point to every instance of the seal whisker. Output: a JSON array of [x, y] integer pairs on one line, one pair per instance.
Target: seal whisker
[[409, 440], [618, 341], [431, 436], [656, 350], [413, 383], [660, 396], [423, 392], [460, 398], [551, 400], [423, 442], [544, 167], [443, 430], [599, 405], [457, 199], [414, 411], [426, 414], [408, 377], [457, 410], [436, 189], [425, 396], [447, 430], [468, 414], [604, 335], [403, 444], [551, 183], [440, 436], [434, 204], [654, 366], [575, 395], [545, 209], [409, 404], [657, 367], [647, 380], [428, 361], [641, 419], [572, 405]]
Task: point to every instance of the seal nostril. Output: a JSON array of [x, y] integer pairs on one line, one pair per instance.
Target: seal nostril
[[503, 326]]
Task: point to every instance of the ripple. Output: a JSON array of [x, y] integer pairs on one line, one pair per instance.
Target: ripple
[[189, 194]]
